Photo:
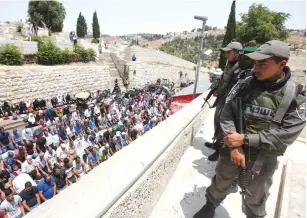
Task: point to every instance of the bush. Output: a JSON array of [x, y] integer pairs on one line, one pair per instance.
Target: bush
[[10, 55], [39, 39], [87, 55], [49, 54], [19, 27], [75, 58], [96, 41], [7, 22], [91, 54], [66, 56]]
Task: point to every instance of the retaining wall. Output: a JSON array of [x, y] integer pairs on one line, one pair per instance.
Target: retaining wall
[[130, 182], [26, 47], [20, 83]]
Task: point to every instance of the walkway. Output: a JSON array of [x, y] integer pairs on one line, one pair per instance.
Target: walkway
[[185, 193]]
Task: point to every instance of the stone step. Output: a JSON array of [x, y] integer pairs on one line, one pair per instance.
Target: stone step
[[111, 66], [107, 59], [114, 73], [12, 124]]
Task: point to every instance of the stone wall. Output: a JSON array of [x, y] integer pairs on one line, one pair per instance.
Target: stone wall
[[26, 47], [30, 82], [30, 47]]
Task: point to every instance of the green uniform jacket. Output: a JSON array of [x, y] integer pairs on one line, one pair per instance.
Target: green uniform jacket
[[259, 109]]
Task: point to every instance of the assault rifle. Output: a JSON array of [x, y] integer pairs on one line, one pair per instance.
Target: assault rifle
[[243, 174], [213, 88]]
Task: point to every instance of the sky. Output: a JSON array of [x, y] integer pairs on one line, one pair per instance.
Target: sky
[[119, 17]]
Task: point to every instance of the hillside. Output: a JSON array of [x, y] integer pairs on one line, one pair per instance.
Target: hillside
[[186, 48]]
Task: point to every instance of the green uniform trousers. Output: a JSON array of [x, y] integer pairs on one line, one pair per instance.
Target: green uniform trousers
[[226, 172]]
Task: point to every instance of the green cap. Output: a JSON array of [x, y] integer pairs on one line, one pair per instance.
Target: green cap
[[248, 49]]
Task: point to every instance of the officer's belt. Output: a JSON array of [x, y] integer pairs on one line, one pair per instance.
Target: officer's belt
[[289, 95]]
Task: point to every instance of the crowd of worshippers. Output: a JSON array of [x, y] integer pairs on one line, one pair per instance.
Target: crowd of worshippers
[[39, 162]]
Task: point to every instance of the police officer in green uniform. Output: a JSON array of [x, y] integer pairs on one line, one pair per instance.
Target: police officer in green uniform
[[245, 64], [274, 111], [231, 54]]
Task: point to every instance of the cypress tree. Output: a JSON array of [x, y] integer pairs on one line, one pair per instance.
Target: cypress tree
[[79, 26], [95, 25], [230, 33], [84, 26]]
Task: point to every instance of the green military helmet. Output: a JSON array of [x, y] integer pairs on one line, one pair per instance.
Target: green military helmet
[[246, 50]]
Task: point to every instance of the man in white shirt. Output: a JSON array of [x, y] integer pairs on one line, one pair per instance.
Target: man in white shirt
[[78, 143], [51, 124], [41, 162], [55, 139], [87, 113], [75, 115], [48, 137], [20, 181], [50, 156], [61, 152], [12, 206], [27, 134], [29, 165]]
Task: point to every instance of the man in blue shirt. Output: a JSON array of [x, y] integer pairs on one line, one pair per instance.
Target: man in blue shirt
[[5, 141], [78, 127], [93, 157], [46, 187], [16, 138]]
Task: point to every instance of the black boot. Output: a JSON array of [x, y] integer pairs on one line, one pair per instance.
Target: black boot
[[214, 156], [209, 145], [207, 211]]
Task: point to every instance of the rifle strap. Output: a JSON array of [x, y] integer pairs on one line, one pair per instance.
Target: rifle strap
[[289, 95]]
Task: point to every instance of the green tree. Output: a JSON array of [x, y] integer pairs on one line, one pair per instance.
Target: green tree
[[230, 33], [95, 25], [81, 26], [49, 14], [262, 24]]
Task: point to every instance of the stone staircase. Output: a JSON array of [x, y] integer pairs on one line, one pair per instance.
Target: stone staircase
[[13, 124], [106, 59]]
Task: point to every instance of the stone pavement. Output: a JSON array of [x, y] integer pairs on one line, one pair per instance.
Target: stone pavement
[[185, 193]]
